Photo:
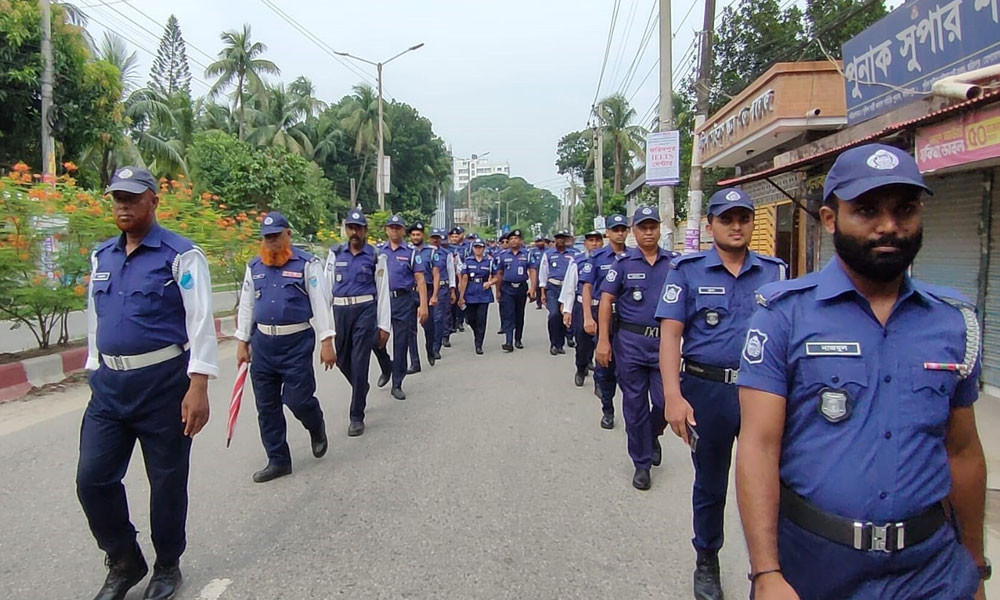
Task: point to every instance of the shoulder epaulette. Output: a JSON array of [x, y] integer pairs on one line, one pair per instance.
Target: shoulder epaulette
[[685, 258], [176, 242], [300, 253], [771, 259], [774, 292], [945, 294], [106, 244]]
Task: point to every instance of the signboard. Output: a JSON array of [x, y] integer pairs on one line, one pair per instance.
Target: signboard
[[386, 168], [599, 223], [972, 137], [723, 133], [663, 158], [896, 60]]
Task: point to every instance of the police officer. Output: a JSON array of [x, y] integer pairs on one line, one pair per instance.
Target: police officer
[[474, 294], [592, 279], [534, 261], [633, 284], [451, 254], [460, 249], [571, 303], [432, 277], [283, 289], [446, 290], [857, 386], [151, 349], [405, 270], [512, 275], [551, 272], [356, 276], [707, 302]]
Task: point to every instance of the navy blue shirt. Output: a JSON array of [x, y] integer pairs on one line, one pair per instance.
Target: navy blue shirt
[[479, 272], [402, 263], [280, 293], [636, 284], [556, 263], [354, 274], [867, 406], [513, 266], [601, 259]]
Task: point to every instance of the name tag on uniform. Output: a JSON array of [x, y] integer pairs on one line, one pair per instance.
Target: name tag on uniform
[[259, 276], [833, 349], [102, 276], [341, 263], [297, 274], [716, 291], [606, 267], [636, 276], [403, 258]]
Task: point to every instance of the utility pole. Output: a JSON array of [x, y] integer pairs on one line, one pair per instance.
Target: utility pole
[[354, 192], [692, 239], [666, 121], [48, 145], [599, 169]]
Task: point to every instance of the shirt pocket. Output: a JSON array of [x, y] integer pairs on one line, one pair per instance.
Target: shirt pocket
[[848, 374], [147, 299], [930, 404], [711, 309], [102, 297]]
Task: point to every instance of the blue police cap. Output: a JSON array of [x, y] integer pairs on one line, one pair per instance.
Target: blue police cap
[[134, 180], [456, 231], [356, 217], [728, 198], [274, 222], [478, 242], [437, 232], [645, 213], [514, 232], [616, 221], [871, 166], [395, 221], [594, 233], [563, 233], [417, 226]]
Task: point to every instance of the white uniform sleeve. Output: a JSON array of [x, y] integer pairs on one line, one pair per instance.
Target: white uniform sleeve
[[198, 317], [319, 300], [452, 276], [543, 271], [244, 315], [329, 273], [384, 309], [93, 360], [567, 295]]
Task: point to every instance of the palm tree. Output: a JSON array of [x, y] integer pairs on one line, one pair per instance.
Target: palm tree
[[325, 134], [114, 51], [239, 64], [359, 119], [279, 115], [304, 89], [214, 116], [616, 118]]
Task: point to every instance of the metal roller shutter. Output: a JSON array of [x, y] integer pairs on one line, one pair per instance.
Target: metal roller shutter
[[764, 220], [826, 250], [991, 312]]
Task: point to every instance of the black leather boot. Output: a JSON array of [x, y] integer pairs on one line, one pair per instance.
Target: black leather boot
[[706, 576], [123, 573]]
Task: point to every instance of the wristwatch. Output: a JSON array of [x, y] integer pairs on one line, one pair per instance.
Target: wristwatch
[[985, 570]]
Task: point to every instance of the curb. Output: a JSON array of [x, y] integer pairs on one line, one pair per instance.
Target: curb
[[19, 378]]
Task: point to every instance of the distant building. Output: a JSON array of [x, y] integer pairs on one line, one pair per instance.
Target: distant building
[[479, 167]]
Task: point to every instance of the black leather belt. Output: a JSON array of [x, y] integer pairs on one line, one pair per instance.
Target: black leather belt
[[643, 330], [398, 293], [861, 535], [703, 371]]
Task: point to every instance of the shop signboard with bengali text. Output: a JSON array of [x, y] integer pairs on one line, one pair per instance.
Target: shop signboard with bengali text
[[663, 158], [972, 137]]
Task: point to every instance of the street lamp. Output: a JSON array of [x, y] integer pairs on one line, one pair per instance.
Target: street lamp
[[471, 159], [381, 155]]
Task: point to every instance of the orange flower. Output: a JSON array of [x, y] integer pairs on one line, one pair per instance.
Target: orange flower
[[182, 226], [69, 166], [79, 290], [180, 176], [223, 206], [70, 208], [84, 252], [20, 167]]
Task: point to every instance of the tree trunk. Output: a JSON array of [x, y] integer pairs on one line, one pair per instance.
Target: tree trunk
[[618, 167], [239, 98]]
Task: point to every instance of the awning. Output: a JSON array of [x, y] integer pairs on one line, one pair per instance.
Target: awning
[[932, 117], [637, 183]]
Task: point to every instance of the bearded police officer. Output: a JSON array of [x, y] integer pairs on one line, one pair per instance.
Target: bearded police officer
[[571, 303], [151, 349], [283, 289], [551, 272], [859, 468], [633, 284], [432, 277], [512, 275], [707, 302]]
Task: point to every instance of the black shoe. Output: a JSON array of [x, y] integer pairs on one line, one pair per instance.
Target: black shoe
[[271, 471], [461, 328], [413, 370], [383, 379], [657, 452], [446, 343], [479, 349], [553, 350], [500, 332], [571, 342], [560, 351], [640, 480], [578, 378], [706, 577], [398, 393], [507, 348], [518, 345], [356, 428], [123, 574], [608, 422], [164, 583], [319, 443]]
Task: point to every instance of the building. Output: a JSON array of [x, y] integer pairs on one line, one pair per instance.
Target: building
[[479, 167]]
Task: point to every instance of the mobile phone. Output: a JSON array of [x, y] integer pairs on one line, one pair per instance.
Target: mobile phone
[[692, 437]]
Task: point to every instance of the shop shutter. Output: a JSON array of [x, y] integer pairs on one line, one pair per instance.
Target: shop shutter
[[826, 249], [991, 313], [764, 223]]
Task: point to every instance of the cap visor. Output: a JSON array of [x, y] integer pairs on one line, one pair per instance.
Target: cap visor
[[269, 229], [132, 187], [853, 190], [644, 219], [718, 210]]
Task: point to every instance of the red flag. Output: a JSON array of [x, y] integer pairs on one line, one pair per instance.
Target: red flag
[[234, 404]]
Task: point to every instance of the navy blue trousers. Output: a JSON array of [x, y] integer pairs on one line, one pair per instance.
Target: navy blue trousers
[[404, 316], [638, 370], [584, 341], [441, 313], [477, 315], [606, 379], [357, 330], [557, 331], [717, 411], [512, 301], [125, 406], [428, 327], [281, 370]]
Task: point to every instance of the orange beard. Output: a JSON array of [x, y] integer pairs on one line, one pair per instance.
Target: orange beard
[[275, 258]]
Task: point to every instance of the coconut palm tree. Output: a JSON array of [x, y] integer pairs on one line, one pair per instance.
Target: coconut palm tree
[[359, 119], [304, 89], [616, 118], [279, 116], [238, 65]]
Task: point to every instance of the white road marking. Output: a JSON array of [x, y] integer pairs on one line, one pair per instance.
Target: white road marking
[[214, 589]]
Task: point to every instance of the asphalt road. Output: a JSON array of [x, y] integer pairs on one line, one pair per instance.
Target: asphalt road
[[492, 480]]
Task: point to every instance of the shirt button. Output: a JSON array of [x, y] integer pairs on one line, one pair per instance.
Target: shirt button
[[887, 378], [943, 388], [835, 379], [888, 435], [883, 496]]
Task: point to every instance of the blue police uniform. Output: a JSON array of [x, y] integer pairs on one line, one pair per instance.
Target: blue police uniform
[[534, 261], [715, 308], [428, 259], [442, 260], [551, 272], [477, 298], [402, 262], [150, 327], [513, 269], [360, 309], [571, 299], [867, 408]]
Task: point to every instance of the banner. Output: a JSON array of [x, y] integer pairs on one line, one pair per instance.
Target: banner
[[663, 158], [972, 137]]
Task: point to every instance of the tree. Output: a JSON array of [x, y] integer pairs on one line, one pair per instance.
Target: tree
[[170, 72], [626, 139], [574, 156], [835, 22], [278, 121], [239, 66], [359, 120], [114, 51]]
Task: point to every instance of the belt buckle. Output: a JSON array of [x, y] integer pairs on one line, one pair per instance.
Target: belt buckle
[[880, 537], [119, 363], [731, 375], [652, 332], [272, 329]]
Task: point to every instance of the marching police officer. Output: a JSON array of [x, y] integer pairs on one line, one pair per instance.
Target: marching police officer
[[551, 272], [283, 289], [512, 275], [707, 302], [534, 261], [404, 268], [474, 294], [860, 473], [432, 277], [356, 277], [151, 349], [633, 283], [460, 249], [445, 292], [592, 279], [571, 301]]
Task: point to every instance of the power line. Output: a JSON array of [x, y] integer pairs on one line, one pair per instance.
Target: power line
[[624, 39], [607, 50], [152, 34], [684, 20], [152, 20], [641, 52]]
